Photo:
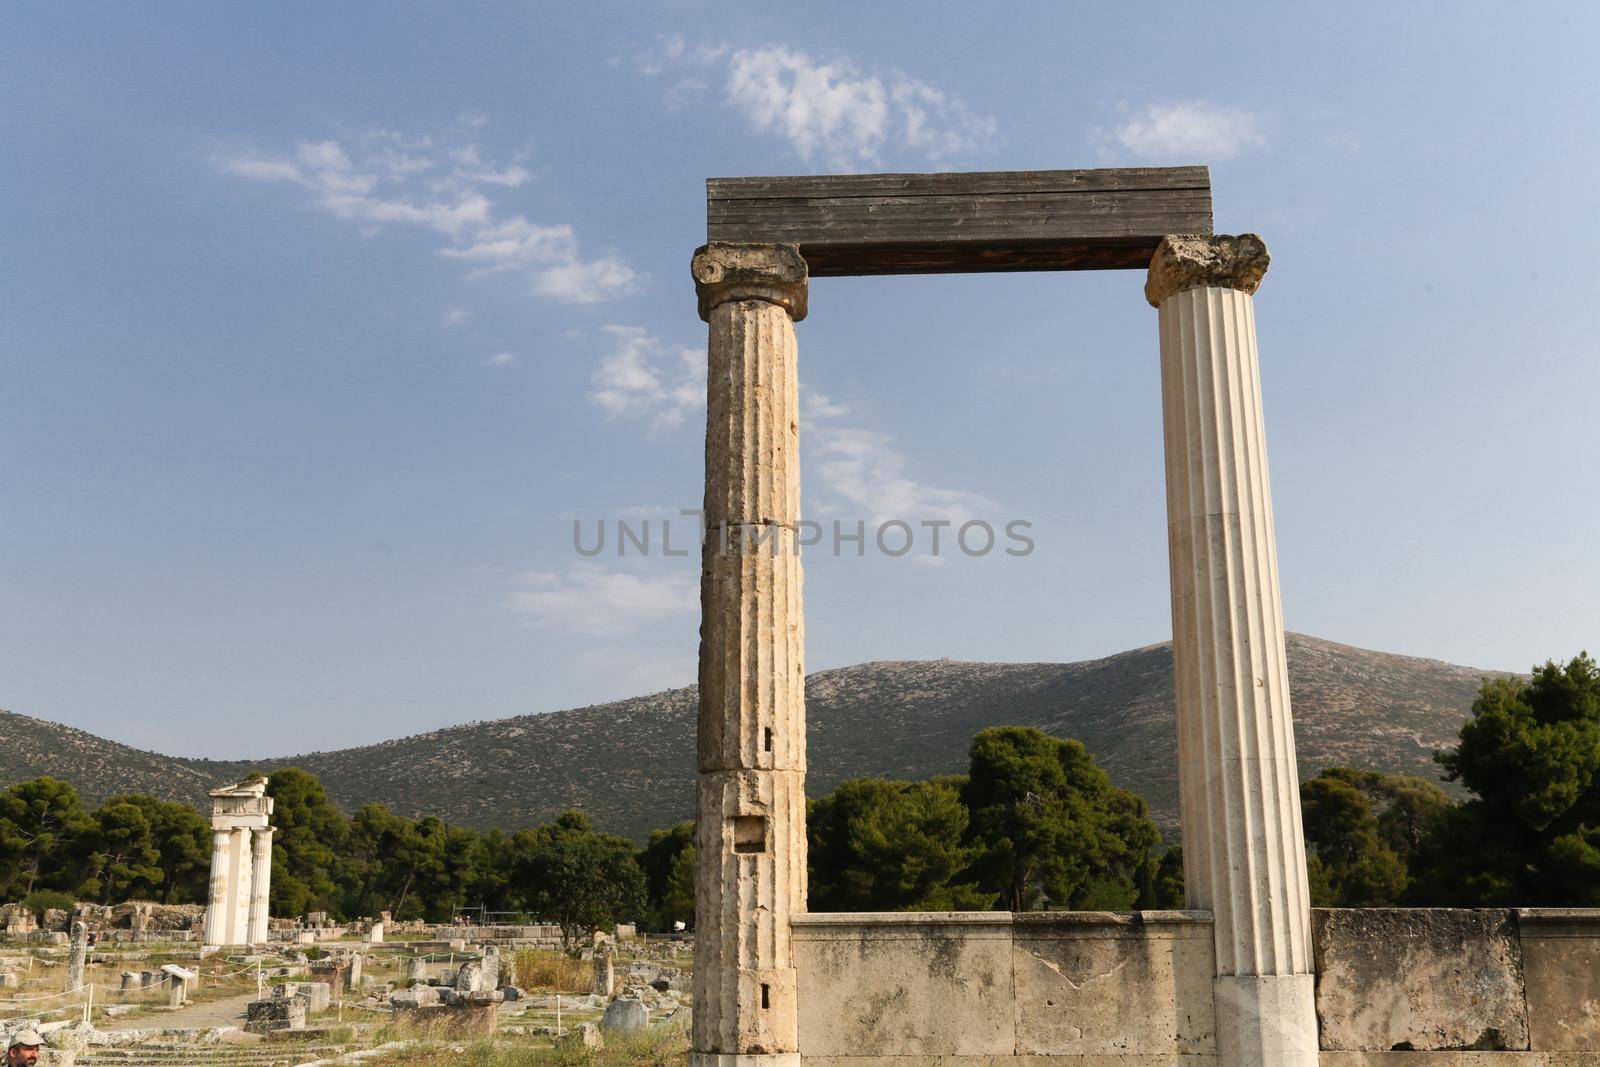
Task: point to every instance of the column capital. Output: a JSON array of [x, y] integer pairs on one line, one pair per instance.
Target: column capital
[[725, 271], [1189, 261]]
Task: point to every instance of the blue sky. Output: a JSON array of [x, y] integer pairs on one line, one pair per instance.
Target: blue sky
[[324, 323]]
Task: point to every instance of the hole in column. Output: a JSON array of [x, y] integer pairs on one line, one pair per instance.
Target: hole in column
[[767, 734], [749, 833], [766, 995]]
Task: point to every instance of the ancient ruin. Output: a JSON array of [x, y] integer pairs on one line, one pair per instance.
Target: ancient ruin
[[241, 864], [1244, 859]]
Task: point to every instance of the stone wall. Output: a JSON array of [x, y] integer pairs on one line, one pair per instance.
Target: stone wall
[[1395, 987]]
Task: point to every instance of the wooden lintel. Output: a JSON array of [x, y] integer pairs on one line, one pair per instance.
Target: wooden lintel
[[856, 224]]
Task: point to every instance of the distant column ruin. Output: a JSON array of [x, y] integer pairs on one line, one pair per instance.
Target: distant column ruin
[[241, 864]]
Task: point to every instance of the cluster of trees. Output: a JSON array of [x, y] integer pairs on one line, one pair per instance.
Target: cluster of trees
[[138, 847], [130, 846], [1034, 822], [1527, 835]]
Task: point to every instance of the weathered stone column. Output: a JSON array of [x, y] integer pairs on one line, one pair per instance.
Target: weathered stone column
[[260, 885], [1243, 852], [750, 804], [238, 886], [217, 904], [77, 956]]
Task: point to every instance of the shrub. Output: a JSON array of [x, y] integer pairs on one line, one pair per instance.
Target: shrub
[[538, 969], [42, 900]]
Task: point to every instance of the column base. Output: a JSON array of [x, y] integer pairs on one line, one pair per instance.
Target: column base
[[1266, 1020], [744, 1059]]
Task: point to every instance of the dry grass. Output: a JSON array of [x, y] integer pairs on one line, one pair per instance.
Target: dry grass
[[538, 969], [657, 1047]]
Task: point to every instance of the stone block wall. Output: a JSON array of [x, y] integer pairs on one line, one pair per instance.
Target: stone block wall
[[1395, 987]]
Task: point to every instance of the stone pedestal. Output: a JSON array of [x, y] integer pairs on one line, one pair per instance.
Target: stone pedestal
[[750, 800], [1244, 858]]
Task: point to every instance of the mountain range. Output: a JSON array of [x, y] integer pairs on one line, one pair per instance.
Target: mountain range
[[630, 764]]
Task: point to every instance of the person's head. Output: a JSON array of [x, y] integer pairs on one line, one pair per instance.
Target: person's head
[[23, 1049]]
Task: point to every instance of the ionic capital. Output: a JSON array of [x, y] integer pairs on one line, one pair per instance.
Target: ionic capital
[[725, 271], [1189, 261]]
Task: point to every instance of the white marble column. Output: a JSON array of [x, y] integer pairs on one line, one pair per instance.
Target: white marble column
[[750, 800], [217, 901], [260, 885], [238, 886], [1243, 851]]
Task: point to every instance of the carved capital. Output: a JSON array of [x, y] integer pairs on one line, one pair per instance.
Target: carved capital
[[1189, 261], [725, 271]]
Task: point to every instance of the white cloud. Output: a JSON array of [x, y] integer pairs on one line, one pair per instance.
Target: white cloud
[[642, 378], [515, 243], [590, 598], [456, 316], [838, 112], [382, 178], [868, 474], [501, 359], [582, 281], [1191, 132]]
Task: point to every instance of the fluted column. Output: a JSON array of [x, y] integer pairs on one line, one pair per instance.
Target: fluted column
[[238, 886], [217, 899], [1243, 851], [750, 799], [260, 885]]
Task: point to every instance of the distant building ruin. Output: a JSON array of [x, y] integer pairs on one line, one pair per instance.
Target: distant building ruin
[[241, 864]]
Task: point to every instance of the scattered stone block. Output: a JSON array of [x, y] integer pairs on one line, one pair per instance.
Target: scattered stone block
[[418, 996], [276, 1013], [335, 972], [469, 1016], [1419, 980], [584, 1036], [318, 996], [625, 1015]]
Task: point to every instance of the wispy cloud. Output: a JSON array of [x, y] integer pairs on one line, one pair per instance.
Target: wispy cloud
[[869, 475], [590, 598], [836, 111], [501, 359], [382, 178], [644, 378], [1188, 131]]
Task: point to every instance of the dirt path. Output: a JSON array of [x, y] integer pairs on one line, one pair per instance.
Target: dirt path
[[228, 1011]]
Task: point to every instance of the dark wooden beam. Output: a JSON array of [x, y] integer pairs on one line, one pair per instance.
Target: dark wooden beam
[[951, 223]]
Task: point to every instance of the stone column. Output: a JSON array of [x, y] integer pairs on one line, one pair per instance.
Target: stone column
[[260, 885], [77, 956], [1243, 852], [750, 803], [238, 908], [217, 902]]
